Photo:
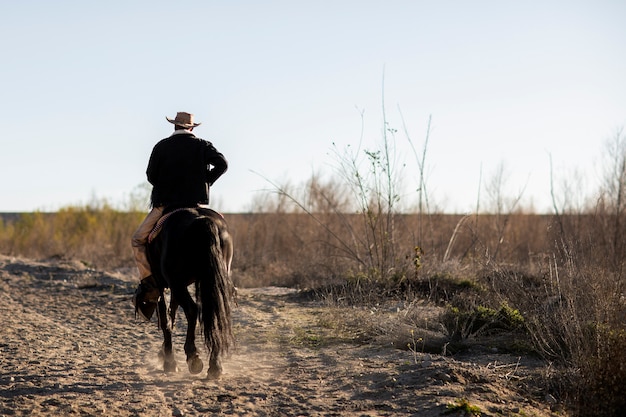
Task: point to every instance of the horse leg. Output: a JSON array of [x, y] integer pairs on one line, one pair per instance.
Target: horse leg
[[227, 250], [166, 354], [173, 309], [194, 363]]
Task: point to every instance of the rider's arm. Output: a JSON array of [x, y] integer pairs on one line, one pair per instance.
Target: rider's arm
[[217, 164]]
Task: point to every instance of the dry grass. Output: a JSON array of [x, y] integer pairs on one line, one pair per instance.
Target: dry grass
[[566, 298], [552, 285], [548, 284], [98, 236]]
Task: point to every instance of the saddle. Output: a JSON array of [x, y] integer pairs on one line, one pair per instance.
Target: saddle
[[159, 224]]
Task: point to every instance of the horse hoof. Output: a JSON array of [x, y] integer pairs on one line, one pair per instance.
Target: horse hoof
[[170, 366], [195, 365], [215, 371]]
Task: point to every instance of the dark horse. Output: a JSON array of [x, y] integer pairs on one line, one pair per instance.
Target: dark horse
[[194, 246]]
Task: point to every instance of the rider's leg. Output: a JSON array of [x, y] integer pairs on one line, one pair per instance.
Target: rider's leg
[[147, 292], [140, 240]]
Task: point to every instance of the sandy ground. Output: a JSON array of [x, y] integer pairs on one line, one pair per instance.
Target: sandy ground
[[71, 345]]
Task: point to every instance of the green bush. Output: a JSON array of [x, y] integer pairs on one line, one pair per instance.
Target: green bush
[[481, 320]]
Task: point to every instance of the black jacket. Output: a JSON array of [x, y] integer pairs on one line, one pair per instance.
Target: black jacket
[[181, 169]]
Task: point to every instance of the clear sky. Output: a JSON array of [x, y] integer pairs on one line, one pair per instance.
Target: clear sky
[[85, 87]]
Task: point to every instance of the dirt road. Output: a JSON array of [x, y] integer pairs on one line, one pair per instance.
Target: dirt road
[[71, 345]]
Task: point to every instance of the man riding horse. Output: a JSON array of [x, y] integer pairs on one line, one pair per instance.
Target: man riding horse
[[181, 169]]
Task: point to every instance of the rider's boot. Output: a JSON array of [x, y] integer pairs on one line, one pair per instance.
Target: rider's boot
[[146, 297]]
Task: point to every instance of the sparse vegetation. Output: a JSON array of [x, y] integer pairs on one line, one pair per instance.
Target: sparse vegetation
[[95, 234], [557, 280], [464, 408]]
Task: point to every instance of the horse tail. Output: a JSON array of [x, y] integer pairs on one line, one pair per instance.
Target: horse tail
[[214, 291]]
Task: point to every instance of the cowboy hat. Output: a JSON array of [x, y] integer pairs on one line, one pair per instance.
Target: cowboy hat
[[183, 119]]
